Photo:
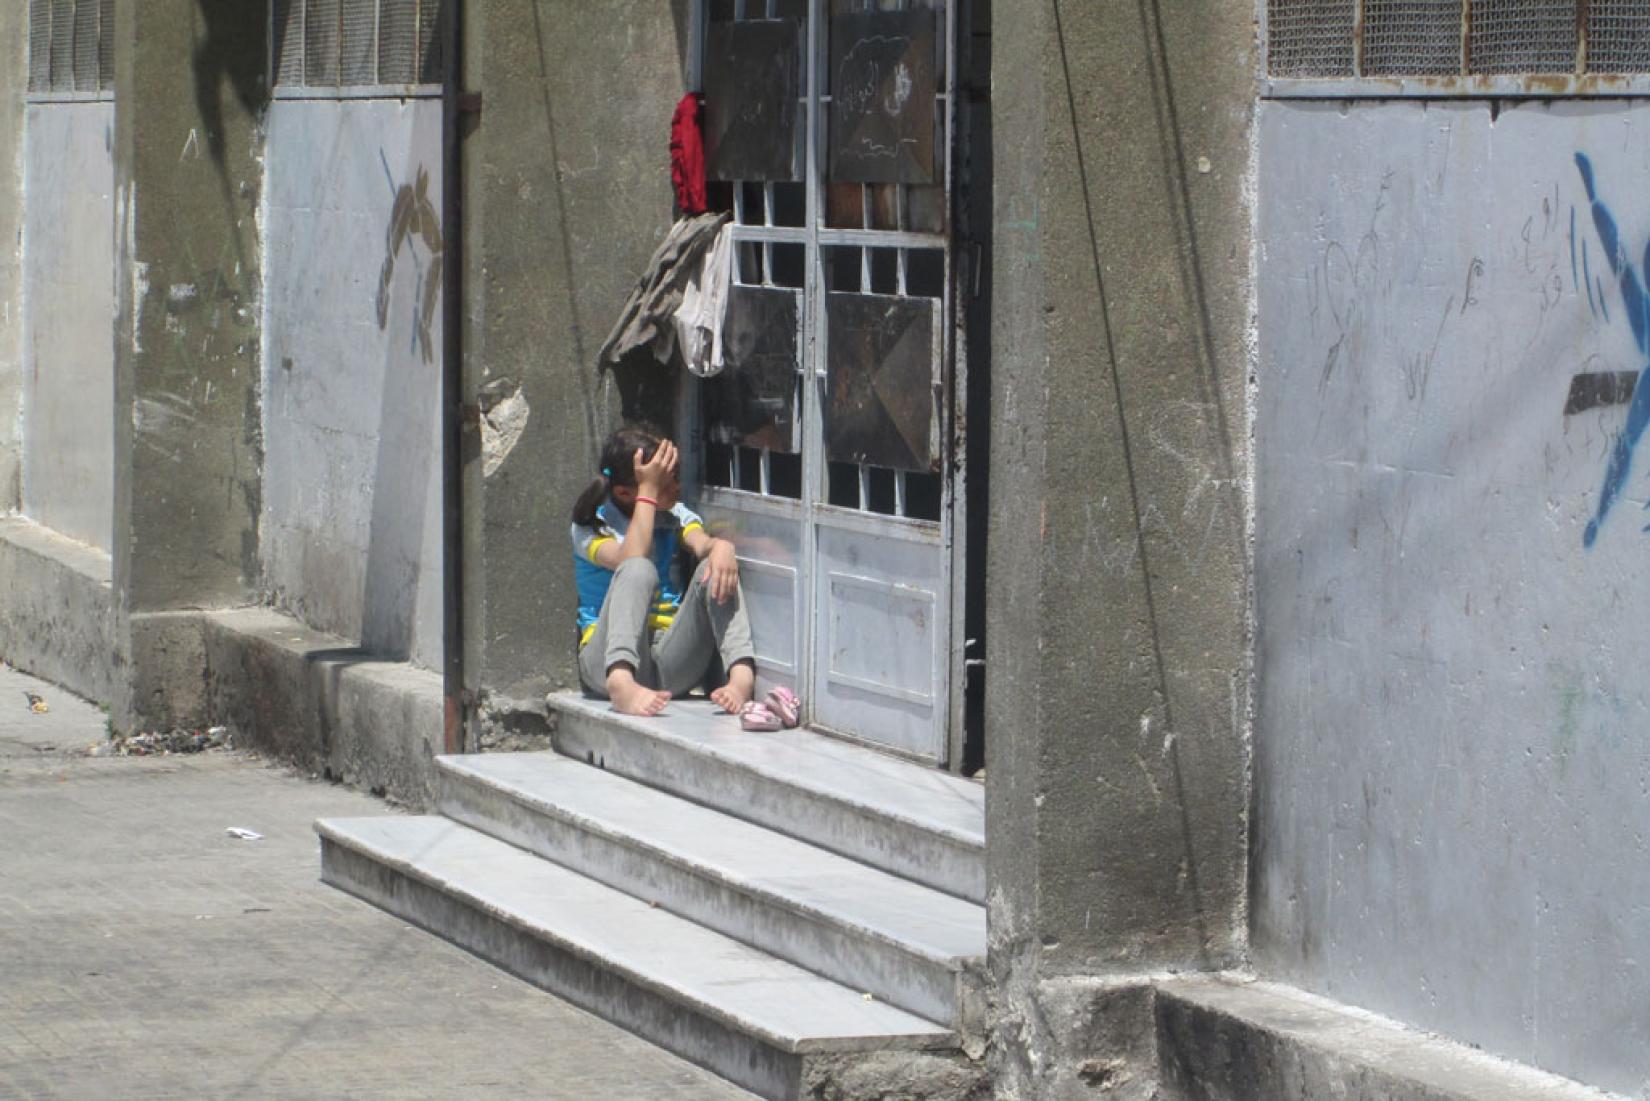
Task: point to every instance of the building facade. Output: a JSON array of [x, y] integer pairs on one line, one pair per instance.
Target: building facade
[[1217, 422]]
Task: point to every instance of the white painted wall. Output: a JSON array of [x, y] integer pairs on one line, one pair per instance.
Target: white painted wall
[[14, 51], [1453, 737], [351, 528], [68, 327]]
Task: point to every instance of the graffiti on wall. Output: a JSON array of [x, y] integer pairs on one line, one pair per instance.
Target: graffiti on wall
[[1588, 391], [413, 217]]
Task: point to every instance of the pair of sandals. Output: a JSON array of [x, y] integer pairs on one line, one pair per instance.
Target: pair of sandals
[[782, 710]]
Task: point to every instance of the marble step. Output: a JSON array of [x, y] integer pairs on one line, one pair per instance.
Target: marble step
[[750, 1017], [915, 821], [908, 944]]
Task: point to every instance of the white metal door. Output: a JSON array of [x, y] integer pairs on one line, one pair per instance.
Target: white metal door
[[826, 443]]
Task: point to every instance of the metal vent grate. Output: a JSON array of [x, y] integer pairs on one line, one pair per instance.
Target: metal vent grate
[[40, 37], [1310, 37], [1523, 36], [1618, 36], [287, 27], [356, 43], [431, 69], [358, 62], [62, 46], [85, 78], [321, 42], [71, 46], [398, 41], [106, 44], [1412, 37]]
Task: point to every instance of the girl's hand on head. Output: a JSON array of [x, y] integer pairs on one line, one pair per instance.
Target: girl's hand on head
[[655, 475]]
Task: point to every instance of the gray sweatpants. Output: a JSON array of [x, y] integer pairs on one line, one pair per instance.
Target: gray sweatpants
[[678, 657]]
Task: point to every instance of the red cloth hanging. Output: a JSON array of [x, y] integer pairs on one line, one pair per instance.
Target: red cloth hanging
[[687, 156]]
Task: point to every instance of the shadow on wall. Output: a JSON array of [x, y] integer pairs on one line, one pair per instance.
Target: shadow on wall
[[402, 562], [233, 51]]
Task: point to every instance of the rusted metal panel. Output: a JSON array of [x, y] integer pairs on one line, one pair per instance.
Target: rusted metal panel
[[883, 82], [752, 73], [879, 408], [753, 401]]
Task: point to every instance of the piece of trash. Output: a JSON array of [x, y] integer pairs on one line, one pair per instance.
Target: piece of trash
[[868, 997], [162, 743], [243, 834], [256, 910], [37, 703]]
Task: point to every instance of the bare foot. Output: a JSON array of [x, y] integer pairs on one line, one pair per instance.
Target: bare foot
[[630, 698], [738, 691]]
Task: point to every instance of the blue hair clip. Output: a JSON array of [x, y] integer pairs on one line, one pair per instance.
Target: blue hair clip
[[607, 472]]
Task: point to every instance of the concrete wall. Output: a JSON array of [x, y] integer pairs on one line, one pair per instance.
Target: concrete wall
[[14, 50], [566, 194], [188, 454], [1453, 743], [1117, 650], [351, 528], [68, 355]]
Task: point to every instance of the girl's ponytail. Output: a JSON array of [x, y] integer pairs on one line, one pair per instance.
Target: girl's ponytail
[[584, 509]]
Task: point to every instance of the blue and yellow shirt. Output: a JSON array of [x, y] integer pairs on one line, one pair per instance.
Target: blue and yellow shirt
[[593, 580]]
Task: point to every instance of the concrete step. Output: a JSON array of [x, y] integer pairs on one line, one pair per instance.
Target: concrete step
[[910, 945], [912, 820], [754, 1019]]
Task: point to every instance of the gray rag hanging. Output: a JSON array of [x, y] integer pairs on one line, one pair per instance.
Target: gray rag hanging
[[646, 317]]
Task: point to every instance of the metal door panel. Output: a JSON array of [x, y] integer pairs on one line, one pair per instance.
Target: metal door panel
[[847, 559], [882, 613], [767, 534]]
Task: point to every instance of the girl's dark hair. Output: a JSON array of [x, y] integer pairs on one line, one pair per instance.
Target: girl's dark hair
[[618, 469]]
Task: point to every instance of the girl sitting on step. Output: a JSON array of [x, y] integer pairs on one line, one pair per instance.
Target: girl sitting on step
[[641, 638]]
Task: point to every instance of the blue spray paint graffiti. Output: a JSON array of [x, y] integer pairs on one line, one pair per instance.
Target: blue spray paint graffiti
[[1637, 304]]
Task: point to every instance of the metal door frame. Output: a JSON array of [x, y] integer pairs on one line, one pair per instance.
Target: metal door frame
[[812, 511]]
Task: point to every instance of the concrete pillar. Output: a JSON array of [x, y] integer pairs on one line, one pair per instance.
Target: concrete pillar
[[14, 82], [1118, 665], [190, 91], [566, 185]]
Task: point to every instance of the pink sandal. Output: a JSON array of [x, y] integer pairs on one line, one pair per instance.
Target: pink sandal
[[786, 705], [757, 718]]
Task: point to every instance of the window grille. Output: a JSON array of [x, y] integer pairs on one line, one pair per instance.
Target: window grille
[[71, 46], [1311, 37], [1618, 36], [1523, 36], [338, 44], [1439, 46]]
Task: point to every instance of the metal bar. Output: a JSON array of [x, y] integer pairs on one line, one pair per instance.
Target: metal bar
[[951, 665], [1358, 22], [456, 697], [764, 477], [813, 430], [864, 486], [849, 238], [899, 493], [1476, 86], [899, 272]]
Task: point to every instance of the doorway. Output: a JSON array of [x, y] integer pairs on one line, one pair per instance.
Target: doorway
[[831, 445]]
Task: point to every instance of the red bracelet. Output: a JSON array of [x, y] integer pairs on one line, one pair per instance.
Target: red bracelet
[[640, 500]]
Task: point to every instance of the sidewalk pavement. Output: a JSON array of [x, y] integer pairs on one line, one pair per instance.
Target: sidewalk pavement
[[146, 953]]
